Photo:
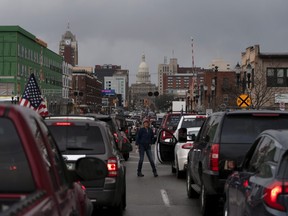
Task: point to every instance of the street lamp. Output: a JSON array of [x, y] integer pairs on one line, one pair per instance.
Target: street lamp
[[246, 79]]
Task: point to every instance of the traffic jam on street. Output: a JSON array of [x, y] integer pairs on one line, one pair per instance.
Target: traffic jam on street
[[185, 126]]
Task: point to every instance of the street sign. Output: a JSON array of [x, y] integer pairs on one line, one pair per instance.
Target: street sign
[[243, 101], [282, 106]]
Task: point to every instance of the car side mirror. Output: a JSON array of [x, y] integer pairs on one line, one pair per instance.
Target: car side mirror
[[182, 135], [193, 137], [90, 168]]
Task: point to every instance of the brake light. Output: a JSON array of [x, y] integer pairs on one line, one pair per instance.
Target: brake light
[[112, 165], [82, 186], [126, 131], [271, 194], [125, 140], [245, 184], [200, 116], [166, 135], [63, 123], [214, 157], [116, 137], [187, 146]]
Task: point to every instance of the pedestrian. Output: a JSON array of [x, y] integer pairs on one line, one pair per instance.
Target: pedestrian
[[143, 141]]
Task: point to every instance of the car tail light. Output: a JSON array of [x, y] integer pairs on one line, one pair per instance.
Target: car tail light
[[126, 131], [63, 123], [116, 137], [166, 135], [125, 140], [271, 194], [187, 146], [112, 165], [214, 157], [82, 186]]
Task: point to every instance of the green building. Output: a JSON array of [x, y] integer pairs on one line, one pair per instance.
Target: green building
[[22, 53]]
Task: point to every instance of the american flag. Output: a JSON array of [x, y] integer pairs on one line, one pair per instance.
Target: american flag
[[32, 97]]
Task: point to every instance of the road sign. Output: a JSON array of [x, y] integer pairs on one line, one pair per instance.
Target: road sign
[[282, 106], [243, 101]]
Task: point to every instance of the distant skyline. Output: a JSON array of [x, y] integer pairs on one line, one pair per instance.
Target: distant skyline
[[119, 32]]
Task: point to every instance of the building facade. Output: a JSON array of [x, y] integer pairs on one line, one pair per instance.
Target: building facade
[[267, 81], [86, 91], [22, 53]]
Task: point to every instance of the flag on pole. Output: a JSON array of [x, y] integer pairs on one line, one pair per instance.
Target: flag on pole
[[32, 97]]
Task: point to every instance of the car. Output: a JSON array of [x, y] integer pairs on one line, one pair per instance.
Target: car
[[117, 125], [259, 186], [193, 124], [170, 122], [222, 142], [85, 136], [34, 178], [132, 128]]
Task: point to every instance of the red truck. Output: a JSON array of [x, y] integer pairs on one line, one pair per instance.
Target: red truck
[[34, 179]]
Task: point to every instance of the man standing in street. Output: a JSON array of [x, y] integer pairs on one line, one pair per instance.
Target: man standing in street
[[143, 141]]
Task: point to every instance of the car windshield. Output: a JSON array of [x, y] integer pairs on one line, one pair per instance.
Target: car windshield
[[244, 129], [78, 139]]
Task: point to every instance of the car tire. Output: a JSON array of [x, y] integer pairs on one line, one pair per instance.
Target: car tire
[[119, 209], [179, 174], [226, 210], [191, 193], [207, 205], [173, 169], [126, 156]]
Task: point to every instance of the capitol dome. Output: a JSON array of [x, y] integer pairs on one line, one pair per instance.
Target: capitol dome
[[143, 75]]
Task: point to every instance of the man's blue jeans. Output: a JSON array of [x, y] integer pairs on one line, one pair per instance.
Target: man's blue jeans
[[142, 150]]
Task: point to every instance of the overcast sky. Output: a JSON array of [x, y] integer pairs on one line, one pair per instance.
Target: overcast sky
[[120, 31]]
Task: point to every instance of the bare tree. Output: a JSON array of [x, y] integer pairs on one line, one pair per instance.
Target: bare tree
[[262, 95]]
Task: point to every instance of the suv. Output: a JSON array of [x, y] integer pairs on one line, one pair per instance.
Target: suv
[[117, 125], [170, 122], [220, 146], [132, 128], [83, 136], [193, 124]]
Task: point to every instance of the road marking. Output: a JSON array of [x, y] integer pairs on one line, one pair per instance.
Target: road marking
[[165, 197]]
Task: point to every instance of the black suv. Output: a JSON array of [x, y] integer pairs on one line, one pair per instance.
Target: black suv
[[81, 136], [220, 146]]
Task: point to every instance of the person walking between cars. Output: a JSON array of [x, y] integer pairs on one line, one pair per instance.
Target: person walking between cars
[[143, 141]]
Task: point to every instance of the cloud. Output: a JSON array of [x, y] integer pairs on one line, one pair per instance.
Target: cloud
[[120, 31]]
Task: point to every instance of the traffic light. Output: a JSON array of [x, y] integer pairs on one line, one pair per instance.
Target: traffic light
[[150, 94]]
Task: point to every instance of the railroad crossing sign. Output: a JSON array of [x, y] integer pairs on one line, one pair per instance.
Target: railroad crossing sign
[[243, 101]]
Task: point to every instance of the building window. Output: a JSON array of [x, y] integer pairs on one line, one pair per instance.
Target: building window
[[277, 77]]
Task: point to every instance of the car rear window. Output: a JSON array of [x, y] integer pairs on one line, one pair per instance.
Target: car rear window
[[15, 173], [192, 122], [74, 139], [172, 120], [245, 128]]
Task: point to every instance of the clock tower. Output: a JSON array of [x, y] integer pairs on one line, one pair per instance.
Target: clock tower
[[68, 47]]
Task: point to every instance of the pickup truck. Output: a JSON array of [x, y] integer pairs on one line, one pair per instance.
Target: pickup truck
[[34, 179]]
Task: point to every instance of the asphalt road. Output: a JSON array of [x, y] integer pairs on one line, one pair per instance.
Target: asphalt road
[[150, 196]]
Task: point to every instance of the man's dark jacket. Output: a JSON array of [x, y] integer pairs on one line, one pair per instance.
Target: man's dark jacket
[[145, 137]]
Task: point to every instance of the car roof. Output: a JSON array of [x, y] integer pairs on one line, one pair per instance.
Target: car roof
[[239, 112]]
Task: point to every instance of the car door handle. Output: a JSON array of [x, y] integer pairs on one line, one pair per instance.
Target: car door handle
[[196, 150]]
